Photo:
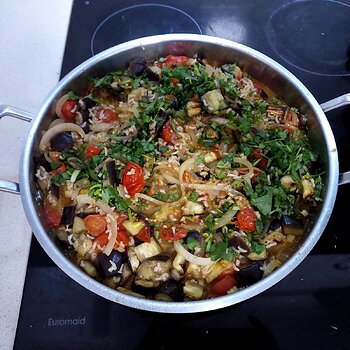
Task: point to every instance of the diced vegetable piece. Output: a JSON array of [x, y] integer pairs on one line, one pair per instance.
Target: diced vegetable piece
[[92, 150], [82, 245], [249, 275], [153, 271], [213, 101], [88, 268], [292, 226], [95, 224], [255, 256], [62, 141], [170, 290], [68, 215], [192, 208], [193, 290], [52, 215], [308, 188], [78, 225], [287, 182], [246, 219], [193, 108], [112, 173], [111, 265], [133, 178], [133, 227], [213, 271], [238, 242], [223, 284], [147, 250], [210, 157], [133, 259]]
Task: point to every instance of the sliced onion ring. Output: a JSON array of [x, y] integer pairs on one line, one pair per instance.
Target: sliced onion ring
[[197, 260], [57, 129], [112, 227], [86, 199]]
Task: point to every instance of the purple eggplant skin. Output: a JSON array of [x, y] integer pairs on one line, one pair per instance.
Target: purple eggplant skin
[[139, 66], [68, 215], [292, 226], [55, 191], [62, 141], [173, 289], [237, 241], [249, 275], [41, 161], [106, 263], [165, 118], [112, 173]]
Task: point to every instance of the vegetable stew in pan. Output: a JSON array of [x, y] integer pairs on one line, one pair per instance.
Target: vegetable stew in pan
[[178, 179]]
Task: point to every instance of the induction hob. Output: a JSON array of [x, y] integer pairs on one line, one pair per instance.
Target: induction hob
[[310, 308]]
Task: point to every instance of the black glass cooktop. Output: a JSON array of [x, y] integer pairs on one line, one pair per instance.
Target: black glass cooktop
[[310, 308]]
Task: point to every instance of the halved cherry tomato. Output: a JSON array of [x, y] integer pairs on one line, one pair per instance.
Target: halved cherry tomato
[[168, 132], [172, 233], [221, 285], [92, 150], [52, 215], [133, 178], [145, 234], [246, 219], [61, 169], [95, 224], [257, 154], [215, 149], [106, 115], [122, 237], [68, 110], [102, 239], [174, 61]]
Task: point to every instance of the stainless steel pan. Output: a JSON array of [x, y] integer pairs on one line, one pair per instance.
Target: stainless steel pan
[[259, 67]]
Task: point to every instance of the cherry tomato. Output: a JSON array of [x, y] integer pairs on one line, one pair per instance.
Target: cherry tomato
[[174, 81], [52, 215], [246, 220], [106, 115], [168, 132], [175, 61], [102, 239], [215, 149], [92, 150], [133, 178], [122, 237], [172, 233], [221, 285], [145, 234], [68, 110], [61, 169], [95, 224]]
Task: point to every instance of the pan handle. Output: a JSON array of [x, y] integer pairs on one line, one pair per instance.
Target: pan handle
[[8, 111], [344, 178], [336, 103]]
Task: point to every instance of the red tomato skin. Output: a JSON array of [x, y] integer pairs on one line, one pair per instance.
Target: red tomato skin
[[168, 132], [53, 217], [171, 234], [106, 115], [92, 150], [145, 234], [175, 61], [246, 220], [221, 285], [68, 110], [102, 239], [95, 224], [61, 169], [133, 178]]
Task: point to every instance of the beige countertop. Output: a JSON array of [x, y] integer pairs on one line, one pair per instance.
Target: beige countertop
[[32, 41]]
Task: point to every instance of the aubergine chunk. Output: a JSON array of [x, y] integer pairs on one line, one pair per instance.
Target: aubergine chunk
[[62, 141], [113, 264], [170, 290], [292, 226], [68, 215], [112, 173], [153, 271], [249, 275]]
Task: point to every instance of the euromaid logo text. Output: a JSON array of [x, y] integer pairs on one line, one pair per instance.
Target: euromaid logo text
[[66, 322]]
